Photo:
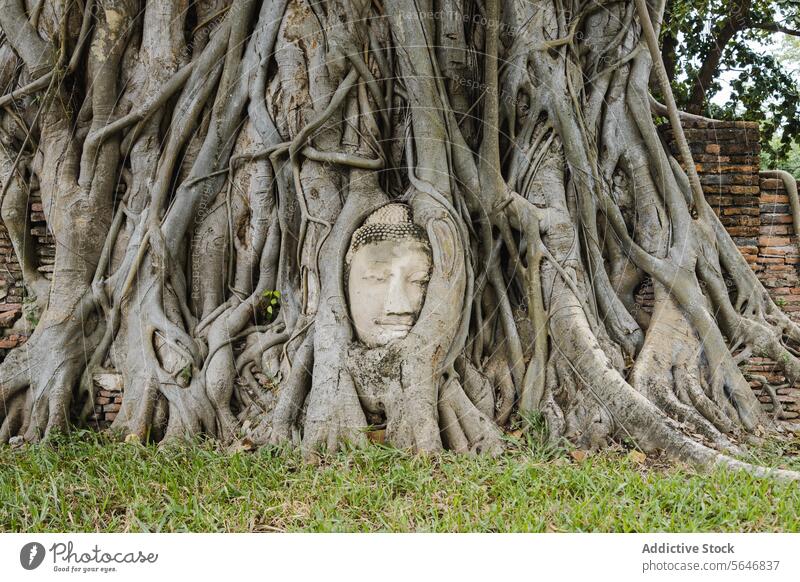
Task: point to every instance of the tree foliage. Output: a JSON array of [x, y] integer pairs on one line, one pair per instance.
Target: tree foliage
[[702, 41]]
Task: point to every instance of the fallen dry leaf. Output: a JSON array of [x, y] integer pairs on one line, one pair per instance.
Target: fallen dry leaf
[[579, 456], [637, 457], [377, 436], [132, 439]]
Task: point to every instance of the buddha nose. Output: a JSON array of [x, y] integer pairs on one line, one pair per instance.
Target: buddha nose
[[397, 301]]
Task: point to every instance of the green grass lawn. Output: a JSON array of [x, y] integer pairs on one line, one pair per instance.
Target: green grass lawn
[[85, 483]]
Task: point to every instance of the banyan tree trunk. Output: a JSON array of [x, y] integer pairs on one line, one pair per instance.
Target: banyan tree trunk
[[197, 159]]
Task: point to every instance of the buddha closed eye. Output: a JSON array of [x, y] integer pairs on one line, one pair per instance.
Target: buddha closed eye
[[389, 269]]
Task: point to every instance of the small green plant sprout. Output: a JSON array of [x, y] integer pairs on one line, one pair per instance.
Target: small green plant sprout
[[781, 302], [185, 375], [31, 310], [272, 303]]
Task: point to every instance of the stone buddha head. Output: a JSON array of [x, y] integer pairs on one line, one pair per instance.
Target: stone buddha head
[[388, 266]]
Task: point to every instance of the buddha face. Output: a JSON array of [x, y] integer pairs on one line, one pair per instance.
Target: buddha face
[[386, 288]]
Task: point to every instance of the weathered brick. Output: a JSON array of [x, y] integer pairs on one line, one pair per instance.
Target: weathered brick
[[774, 229], [719, 200], [771, 184], [741, 230], [773, 199], [775, 209], [767, 218], [753, 191], [771, 260], [778, 251]]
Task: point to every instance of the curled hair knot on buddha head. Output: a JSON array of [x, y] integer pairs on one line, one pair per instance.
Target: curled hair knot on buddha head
[[391, 222]]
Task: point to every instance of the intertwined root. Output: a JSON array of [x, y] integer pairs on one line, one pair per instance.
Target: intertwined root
[[189, 184]]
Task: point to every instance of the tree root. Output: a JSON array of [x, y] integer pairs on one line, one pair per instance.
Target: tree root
[[238, 174]]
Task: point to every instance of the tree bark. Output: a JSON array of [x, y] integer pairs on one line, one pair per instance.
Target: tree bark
[[198, 160]]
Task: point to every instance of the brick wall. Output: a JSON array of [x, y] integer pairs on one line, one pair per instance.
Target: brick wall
[[108, 397], [778, 252], [726, 155], [777, 264], [14, 328], [756, 213]]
